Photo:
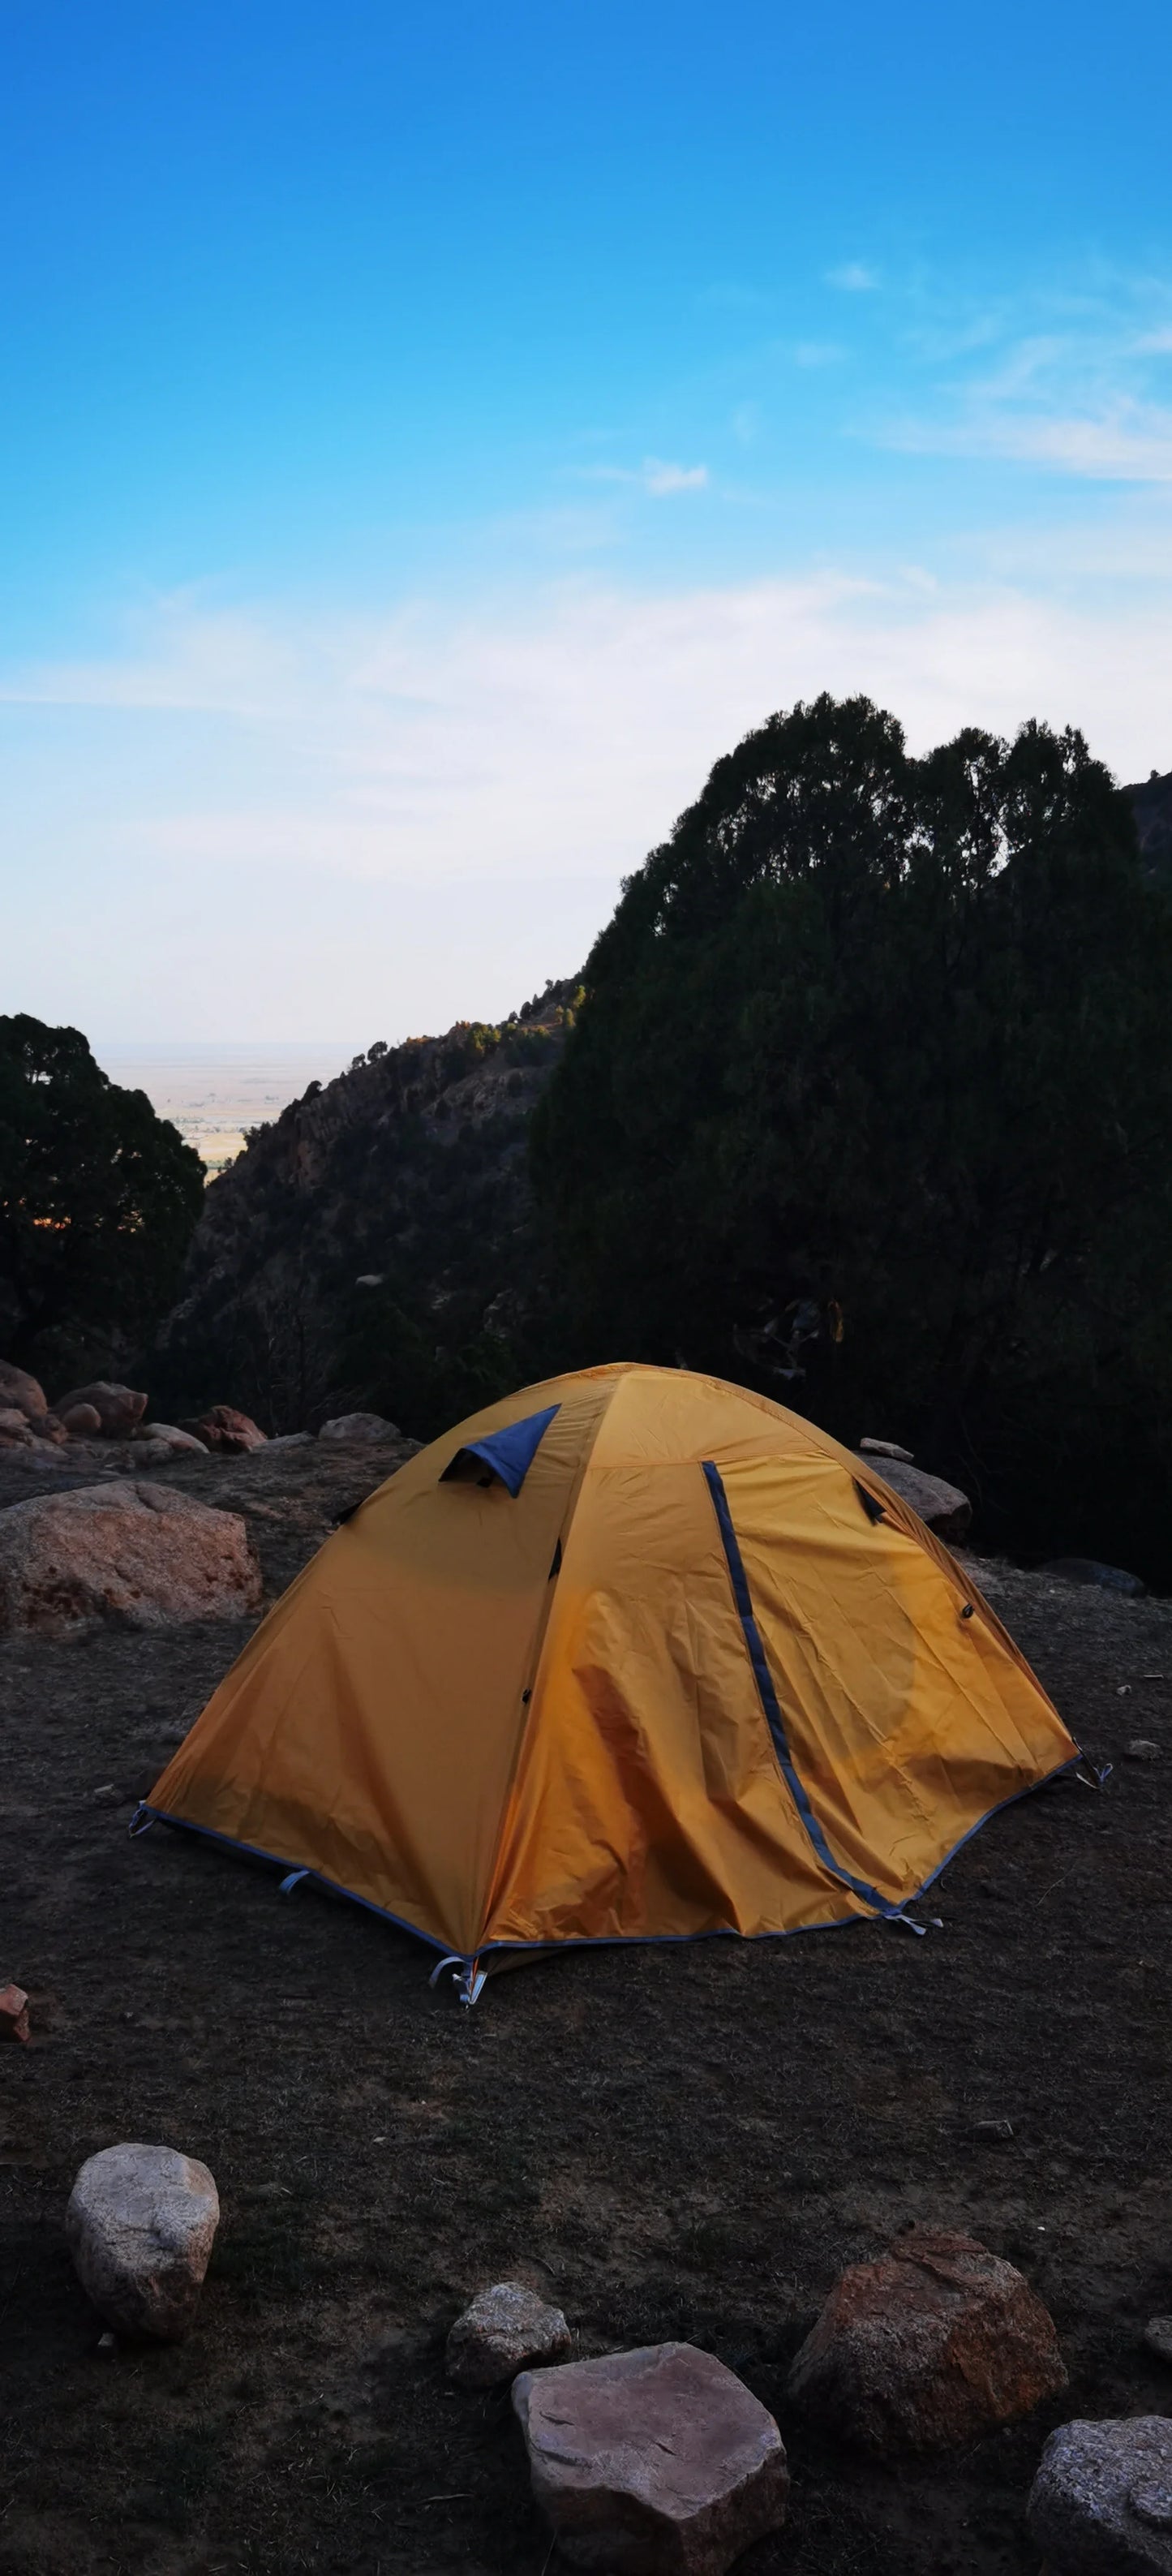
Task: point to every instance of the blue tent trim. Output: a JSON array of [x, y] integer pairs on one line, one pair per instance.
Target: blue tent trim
[[509, 1453]]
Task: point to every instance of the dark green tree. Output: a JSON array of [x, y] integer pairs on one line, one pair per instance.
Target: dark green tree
[[870, 1104], [98, 1200]]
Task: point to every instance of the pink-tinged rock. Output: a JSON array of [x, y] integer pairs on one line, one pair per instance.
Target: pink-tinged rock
[[21, 1392], [658, 2462], [15, 1428], [223, 1428], [14, 2013], [504, 2330], [80, 1421], [118, 1408], [927, 2349], [140, 2226], [138, 1554], [1101, 2503]]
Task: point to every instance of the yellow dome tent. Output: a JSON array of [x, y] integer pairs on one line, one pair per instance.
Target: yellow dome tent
[[633, 1655]]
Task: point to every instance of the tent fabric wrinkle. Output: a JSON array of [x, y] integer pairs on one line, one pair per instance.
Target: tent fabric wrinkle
[[744, 1706]]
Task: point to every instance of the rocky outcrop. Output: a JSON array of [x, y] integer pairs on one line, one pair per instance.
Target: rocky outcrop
[[387, 1212], [927, 2349], [1101, 2503], [504, 2330], [141, 1554], [140, 2226], [649, 2461]]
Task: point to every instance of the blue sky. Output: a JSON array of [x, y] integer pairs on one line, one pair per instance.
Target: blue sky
[[429, 438]]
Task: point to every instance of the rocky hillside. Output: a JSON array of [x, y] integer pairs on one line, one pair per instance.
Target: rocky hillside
[[1153, 813], [374, 1244]]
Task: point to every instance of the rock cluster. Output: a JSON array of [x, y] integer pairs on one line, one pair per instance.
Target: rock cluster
[[140, 2226]]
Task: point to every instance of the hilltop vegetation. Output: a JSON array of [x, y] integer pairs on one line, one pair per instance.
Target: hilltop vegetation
[[98, 1198]]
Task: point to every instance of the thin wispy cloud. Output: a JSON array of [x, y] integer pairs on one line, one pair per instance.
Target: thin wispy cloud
[[853, 278], [657, 475]]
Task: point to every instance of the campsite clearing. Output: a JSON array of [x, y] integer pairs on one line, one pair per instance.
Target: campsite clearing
[[679, 2142]]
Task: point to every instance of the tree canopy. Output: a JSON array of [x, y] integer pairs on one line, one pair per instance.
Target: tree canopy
[[869, 1103], [98, 1199]]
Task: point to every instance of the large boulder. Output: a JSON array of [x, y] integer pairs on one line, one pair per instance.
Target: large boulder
[[15, 1427], [658, 2462], [944, 1509], [927, 2349], [359, 1426], [21, 1393], [139, 1554], [1101, 2503], [118, 1408], [223, 1428], [140, 2225], [504, 2330]]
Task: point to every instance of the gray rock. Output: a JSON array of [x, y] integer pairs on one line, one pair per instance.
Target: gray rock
[[292, 1440], [118, 1408], [21, 1393], [657, 2462], [140, 2225], [886, 1449], [1158, 2337], [139, 1554], [1101, 2503], [944, 1509], [1087, 1569], [1142, 1749], [503, 2331], [359, 1426], [168, 1434]]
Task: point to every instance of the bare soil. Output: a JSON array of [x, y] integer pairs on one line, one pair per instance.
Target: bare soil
[[676, 2142]]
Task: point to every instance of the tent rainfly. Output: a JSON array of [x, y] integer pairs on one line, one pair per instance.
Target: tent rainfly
[[635, 1655]]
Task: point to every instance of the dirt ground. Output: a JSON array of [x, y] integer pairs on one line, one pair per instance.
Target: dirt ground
[[676, 2142]]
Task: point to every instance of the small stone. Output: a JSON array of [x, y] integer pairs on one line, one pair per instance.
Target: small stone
[[658, 2462], [1088, 1569], [107, 2342], [1142, 1749], [140, 2226], [359, 1426], [503, 2331], [927, 2349], [15, 1427], [993, 2133], [14, 2022], [168, 1435], [887, 1449], [107, 1795], [1158, 2337], [1101, 2503]]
